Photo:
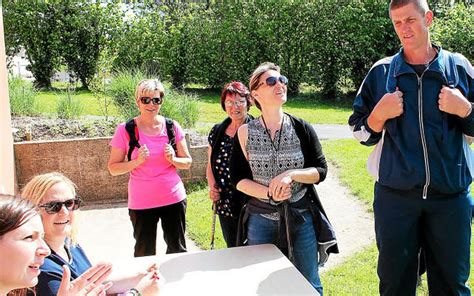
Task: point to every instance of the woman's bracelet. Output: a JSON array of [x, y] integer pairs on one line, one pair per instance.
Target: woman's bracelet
[[133, 292]]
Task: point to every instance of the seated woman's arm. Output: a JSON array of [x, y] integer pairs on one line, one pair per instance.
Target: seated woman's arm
[[124, 282]]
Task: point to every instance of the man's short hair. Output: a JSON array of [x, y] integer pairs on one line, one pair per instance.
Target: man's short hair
[[421, 5]]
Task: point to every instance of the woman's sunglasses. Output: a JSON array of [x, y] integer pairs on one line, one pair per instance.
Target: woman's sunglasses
[[272, 80], [147, 100], [54, 207]]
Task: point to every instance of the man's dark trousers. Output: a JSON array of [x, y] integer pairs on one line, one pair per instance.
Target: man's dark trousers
[[442, 226]]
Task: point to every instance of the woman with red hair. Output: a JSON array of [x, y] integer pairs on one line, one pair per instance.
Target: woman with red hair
[[227, 200]]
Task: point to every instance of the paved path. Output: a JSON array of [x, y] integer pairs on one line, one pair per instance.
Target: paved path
[[106, 231], [333, 131], [354, 225]]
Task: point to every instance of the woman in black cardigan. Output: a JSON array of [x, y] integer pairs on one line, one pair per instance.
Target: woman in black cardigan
[[227, 200], [277, 158]]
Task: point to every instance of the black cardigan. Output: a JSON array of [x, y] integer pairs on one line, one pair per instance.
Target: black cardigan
[[313, 157], [220, 129]]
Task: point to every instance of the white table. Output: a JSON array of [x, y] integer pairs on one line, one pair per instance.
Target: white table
[[244, 271]]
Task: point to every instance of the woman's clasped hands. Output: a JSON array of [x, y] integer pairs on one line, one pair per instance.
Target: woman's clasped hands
[[280, 187]]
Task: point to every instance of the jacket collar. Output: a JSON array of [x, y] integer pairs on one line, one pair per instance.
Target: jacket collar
[[402, 67]]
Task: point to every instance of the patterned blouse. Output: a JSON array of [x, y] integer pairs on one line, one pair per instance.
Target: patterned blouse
[[268, 160], [230, 203]]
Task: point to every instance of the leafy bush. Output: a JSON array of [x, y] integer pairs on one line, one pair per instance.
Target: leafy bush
[[177, 105], [122, 90], [454, 29], [181, 107], [323, 43], [22, 97], [99, 84], [68, 107]]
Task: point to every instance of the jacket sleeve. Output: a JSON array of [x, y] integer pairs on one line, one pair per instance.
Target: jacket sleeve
[[363, 105], [239, 166], [466, 74]]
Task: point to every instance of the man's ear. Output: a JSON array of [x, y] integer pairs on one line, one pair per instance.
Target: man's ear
[[429, 18]]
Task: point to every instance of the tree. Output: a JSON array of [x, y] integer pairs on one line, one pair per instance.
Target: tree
[[33, 26], [84, 28]]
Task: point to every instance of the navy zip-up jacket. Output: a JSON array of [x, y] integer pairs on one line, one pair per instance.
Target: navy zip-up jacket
[[422, 151]]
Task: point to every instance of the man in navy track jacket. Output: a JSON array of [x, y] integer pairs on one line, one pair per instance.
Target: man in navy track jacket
[[416, 106]]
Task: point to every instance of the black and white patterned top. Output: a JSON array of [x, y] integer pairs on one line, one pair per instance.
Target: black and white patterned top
[[230, 203], [268, 161]]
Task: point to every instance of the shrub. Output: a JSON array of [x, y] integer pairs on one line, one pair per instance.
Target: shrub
[[453, 30], [178, 105], [181, 107], [122, 90], [22, 97], [67, 107]]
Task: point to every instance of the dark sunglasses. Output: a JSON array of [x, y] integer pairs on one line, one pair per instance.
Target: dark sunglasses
[[54, 207], [272, 80], [147, 100]]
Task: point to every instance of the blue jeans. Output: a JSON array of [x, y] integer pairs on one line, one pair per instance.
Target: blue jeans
[[265, 231]]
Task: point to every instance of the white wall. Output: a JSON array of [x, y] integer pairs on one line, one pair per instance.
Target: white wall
[[7, 164]]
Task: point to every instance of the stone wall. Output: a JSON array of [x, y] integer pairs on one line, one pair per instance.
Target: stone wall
[[84, 161]]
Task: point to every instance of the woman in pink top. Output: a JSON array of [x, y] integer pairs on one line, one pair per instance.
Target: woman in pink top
[[155, 190]]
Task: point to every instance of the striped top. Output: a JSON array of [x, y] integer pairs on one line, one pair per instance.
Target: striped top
[[268, 161]]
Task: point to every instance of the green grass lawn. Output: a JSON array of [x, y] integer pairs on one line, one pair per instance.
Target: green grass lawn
[[306, 107], [358, 275], [47, 102], [350, 159], [199, 218], [210, 110]]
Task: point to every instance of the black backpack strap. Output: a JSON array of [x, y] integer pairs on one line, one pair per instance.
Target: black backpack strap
[[132, 131], [170, 132]]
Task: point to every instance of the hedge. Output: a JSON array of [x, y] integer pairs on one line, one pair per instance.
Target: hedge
[[323, 43]]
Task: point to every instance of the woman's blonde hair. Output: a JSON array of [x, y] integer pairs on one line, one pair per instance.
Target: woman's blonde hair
[[147, 86], [257, 73], [35, 190]]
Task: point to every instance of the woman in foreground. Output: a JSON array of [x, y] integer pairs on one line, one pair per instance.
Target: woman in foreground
[[23, 250], [55, 195]]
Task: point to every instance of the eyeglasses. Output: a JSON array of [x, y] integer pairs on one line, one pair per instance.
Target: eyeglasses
[[54, 207], [147, 100], [235, 103]]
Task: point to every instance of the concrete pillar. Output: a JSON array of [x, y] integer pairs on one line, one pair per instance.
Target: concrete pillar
[[7, 162]]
